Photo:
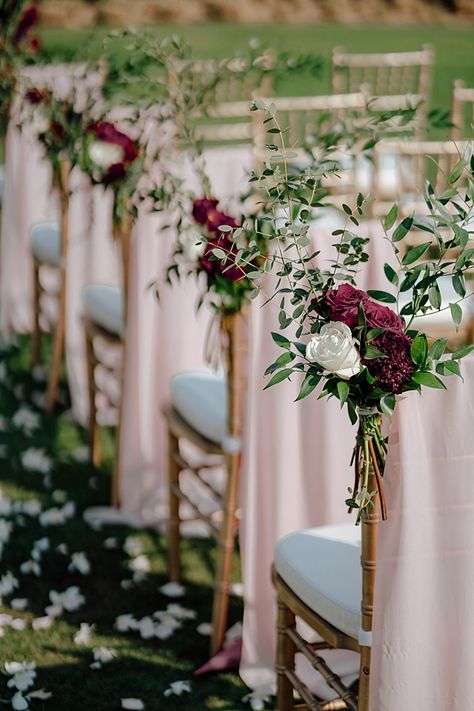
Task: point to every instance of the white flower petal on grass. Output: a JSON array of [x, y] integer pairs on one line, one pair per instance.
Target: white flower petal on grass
[[102, 655], [36, 460], [18, 624], [59, 496], [31, 507], [26, 419], [40, 694], [22, 675], [257, 700], [164, 631], [53, 610], [132, 704], [179, 612], [6, 505], [177, 688], [81, 454], [140, 564], [8, 583], [111, 543], [19, 603], [84, 634], [19, 703], [62, 548], [39, 373], [42, 623], [133, 546], [72, 598], [5, 530], [173, 590], [126, 584], [205, 628], [125, 623], [30, 567], [146, 628], [42, 544], [79, 563]]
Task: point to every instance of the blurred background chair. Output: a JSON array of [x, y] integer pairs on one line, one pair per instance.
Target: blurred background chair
[[462, 115]]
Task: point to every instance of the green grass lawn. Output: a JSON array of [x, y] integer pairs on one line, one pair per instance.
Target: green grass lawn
[[142, 668], [453, 46]]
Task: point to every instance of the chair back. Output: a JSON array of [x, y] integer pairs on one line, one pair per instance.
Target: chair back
[[384, 74], [462, 116]]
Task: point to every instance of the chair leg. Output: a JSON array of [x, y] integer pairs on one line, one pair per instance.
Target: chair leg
[[174, 536], [225, 551], [363, 703], [94, 431], [36, 315], [58, 348], [285, 657]]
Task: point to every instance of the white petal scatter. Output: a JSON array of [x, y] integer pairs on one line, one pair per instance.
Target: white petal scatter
[[19, 603], [6, 506], [36, 460], [70, 600], [79, 563], [179, 612], [111, 543], [133, 546], [205, 628], [30, 567], [39, 373], [22, 675], [83, 637], [26, 419], [57, 516], [62, 548], [125, 623], [40, 694], [257, 700], [177, 688], [132, 704], [102, 655], [81, 454], [8, 584], [18, 623], [19, 703], [30, 507], [173, 590], [42, 545], [146, 628], [42, 623], [59, 496], [5, 530], [140, 566]]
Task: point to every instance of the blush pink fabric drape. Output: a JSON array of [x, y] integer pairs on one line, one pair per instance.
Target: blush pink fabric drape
[[424, 621]]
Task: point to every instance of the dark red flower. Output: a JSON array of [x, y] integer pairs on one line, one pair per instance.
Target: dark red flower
[[395, 370], [227, 267], [106, 131], [34, 45], [27, 20], [341, 304], [57, 130], [115, 172], [201, 208], [379, 316], [216, 219], [34, 96]]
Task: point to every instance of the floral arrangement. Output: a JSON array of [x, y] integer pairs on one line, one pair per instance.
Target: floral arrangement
[[17, 44], [362, 347], [111, 158]]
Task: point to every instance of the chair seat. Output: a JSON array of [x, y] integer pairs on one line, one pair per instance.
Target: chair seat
[[103, 305], [46, 243], [322, 567], [201, 400]]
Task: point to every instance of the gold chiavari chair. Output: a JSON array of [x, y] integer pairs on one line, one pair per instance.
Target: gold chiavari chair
[[413, 164], [105, 311], [325, 577], [50, 241], [462, 111], [397, 80]]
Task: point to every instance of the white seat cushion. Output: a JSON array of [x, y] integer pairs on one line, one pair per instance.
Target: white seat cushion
[[46, 243], [201, 400], [104, 306], [322, 566]]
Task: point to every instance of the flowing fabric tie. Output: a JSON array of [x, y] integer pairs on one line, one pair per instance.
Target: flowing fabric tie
[[213, 344]]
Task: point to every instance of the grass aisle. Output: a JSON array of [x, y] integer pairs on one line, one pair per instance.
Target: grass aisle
[[45, 485]]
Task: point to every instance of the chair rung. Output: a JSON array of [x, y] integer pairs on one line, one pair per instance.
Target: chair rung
[[322, 668], [199, 515], [303, 691]]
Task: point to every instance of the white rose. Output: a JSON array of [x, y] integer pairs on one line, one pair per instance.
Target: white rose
[[105, 154], [334, 349], [192, 245]]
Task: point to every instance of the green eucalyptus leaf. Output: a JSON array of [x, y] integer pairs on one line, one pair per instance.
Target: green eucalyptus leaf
[[391, 274], [434, 295], [390, 218], [279, 377], [281, 340], [438, 348], [402, 230], [343, 391], [423, 377], [372, 352], [456, 314], [414, 253], [462, 352], [457, 171], [383, 296], [419, 349], [448, 367], [387, 405], [309, 383]]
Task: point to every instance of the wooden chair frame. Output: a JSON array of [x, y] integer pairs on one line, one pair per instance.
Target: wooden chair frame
[[290, 642], [235, 344], [59, 333], [462, 97], [122, 233]]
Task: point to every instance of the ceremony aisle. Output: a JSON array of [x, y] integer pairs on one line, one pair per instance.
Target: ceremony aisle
[[64, 585]]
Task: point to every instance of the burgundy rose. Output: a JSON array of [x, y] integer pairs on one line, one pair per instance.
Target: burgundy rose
[[57, 130], [341, 304], [34, 96], [106, 131], [115, 172], [379, 316], [34, 45], [395, 370], [27, 20], [226, 268], [216, 219], [201, 207]]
